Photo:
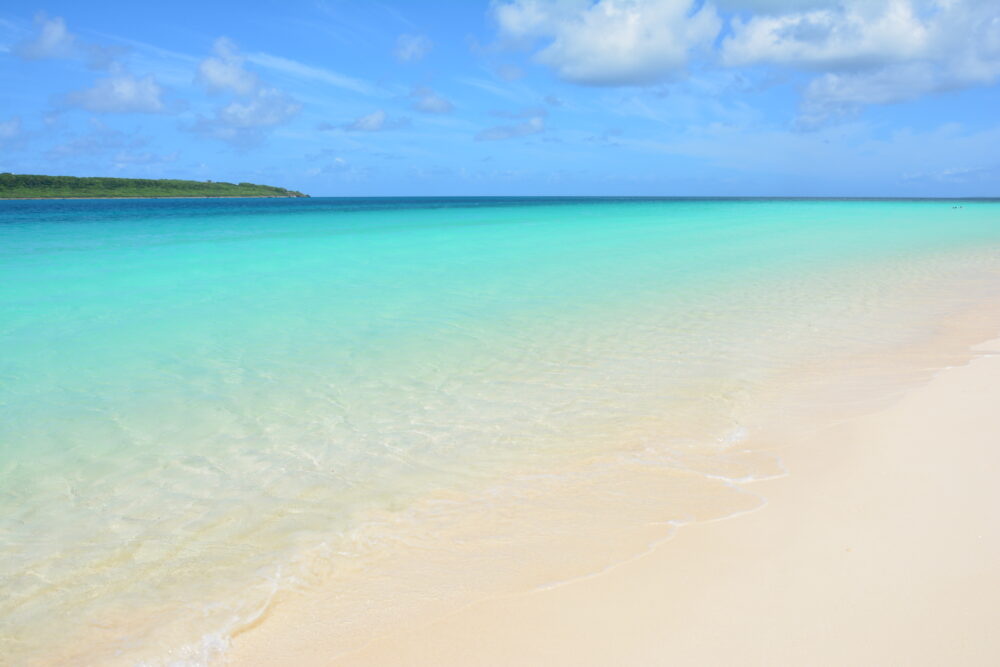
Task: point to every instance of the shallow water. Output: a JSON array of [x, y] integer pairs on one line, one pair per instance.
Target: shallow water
[[203, 403]]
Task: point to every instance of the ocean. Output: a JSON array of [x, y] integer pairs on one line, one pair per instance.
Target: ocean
[[208, 406]]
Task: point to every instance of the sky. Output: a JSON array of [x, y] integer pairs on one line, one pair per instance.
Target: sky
[[511, 97]]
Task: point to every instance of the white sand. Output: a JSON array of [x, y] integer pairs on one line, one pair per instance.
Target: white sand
[[882, 547]]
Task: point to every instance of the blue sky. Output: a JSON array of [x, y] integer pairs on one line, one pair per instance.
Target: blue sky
[[512, 97]]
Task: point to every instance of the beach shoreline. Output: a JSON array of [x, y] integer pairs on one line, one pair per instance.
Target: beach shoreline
[[182, 197], [873, 550], [311, 440]]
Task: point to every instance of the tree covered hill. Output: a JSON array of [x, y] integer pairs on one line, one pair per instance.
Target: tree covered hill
[[36, 186]]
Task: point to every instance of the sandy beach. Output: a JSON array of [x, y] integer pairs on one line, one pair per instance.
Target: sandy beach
[[585, 333], [880, 548]]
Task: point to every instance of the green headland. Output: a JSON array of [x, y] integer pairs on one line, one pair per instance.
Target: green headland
[[33, 186]]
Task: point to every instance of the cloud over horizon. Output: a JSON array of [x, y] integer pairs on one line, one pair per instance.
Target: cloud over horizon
[[636, 95], [54, 41]]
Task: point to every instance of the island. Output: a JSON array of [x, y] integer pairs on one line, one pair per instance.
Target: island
[[35, 186]]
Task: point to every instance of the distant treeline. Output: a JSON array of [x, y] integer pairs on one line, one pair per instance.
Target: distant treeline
[[31, 185]]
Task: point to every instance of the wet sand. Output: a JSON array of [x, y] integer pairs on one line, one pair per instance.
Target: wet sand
[[881, 547]]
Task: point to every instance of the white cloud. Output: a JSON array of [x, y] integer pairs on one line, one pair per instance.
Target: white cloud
[[121, 93], [611, 42], [856, 34], [373, 122], [412, 47], [875, 52], [267, 107], [771, 6], [430, 102], [53, 40], [244, 122], [533, 125], [256, 108], [224, 71], [838, 95], [861, 52]]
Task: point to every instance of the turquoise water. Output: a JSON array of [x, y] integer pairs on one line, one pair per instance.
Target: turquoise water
[[195, 393]]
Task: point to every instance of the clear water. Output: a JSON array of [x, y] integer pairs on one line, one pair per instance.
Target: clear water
[[194, 394]]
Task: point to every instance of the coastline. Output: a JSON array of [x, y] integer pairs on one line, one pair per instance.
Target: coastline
[[181, 197], [875, 549]]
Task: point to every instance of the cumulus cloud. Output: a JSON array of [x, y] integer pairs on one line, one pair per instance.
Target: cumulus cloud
[[428, 101], [850, 36], [770, 6], [121, 93], [253, 109], [412, 47], [373, 122], [243, 122], [532, 125], [52, 40], [861, 52], [611, 42], [267, 107], [874, 53], [224, 71], [376, 121]]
